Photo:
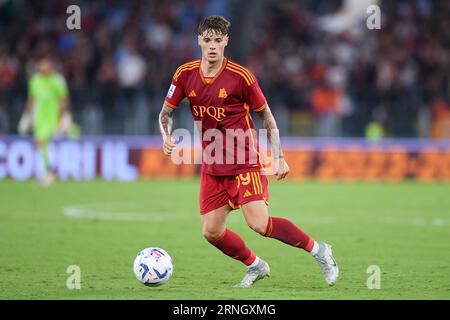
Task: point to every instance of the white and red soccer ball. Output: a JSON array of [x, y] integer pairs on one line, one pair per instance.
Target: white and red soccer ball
[[153, 267]]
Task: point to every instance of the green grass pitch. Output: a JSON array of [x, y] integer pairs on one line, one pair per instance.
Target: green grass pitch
[[404, 229]]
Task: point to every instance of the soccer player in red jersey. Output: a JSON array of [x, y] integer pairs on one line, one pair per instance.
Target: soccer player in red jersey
[[221, 94]]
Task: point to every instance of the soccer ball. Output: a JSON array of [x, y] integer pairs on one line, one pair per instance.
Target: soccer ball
[[153, 267]]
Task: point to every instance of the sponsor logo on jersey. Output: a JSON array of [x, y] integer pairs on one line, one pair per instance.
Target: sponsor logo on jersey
[[192, 94], [217, 113]]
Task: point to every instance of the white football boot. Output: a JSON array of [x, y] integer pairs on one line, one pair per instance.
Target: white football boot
[[327, 263], [261, 270]]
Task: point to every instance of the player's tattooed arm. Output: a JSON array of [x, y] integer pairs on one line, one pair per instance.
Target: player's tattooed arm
[[281, 168], [165, 121], [165, 126], [272, 131]]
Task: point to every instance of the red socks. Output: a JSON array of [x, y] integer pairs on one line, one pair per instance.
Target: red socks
[[287, 232], [232, 245], [282, 229]]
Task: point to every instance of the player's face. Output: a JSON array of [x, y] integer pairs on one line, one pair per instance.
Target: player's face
[[45, 66], [213, 45]]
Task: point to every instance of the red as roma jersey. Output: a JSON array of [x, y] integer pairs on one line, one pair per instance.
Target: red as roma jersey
[[222, 105]]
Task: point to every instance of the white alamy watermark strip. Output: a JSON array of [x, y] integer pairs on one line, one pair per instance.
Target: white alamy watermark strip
[[73, 281], [373, 22], [374, 280], [73, 21], [224, 147]]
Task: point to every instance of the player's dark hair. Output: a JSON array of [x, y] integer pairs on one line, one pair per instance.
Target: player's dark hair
[[217, 23]]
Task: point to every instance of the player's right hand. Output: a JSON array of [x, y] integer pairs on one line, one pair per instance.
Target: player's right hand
[[169, 145]]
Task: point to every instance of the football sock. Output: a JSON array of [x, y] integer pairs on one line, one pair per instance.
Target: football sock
[[284, 230], [315, 249], [255, 263], [44, 155], [233, 246]]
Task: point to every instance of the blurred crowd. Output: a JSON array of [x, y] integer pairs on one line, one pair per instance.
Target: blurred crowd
[[397, 77], [118, 66]]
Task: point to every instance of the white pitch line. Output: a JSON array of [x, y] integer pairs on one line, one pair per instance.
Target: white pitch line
[[103, 211], [129, 212], [94, 211], [440, 222]]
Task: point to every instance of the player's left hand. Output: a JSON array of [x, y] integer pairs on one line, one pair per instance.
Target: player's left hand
[[64, 124], [281, 169]]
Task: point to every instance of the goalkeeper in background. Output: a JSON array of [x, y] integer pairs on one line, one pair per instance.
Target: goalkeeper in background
[[47, 111]]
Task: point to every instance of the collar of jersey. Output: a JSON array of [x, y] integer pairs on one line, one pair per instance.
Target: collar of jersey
[[224, 64]]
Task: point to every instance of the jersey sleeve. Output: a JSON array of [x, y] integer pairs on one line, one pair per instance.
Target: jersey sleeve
[[175, 94], [61, 86], [254, 96], [32, 87]]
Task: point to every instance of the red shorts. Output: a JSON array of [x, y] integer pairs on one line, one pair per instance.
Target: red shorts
[[217, 191]]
